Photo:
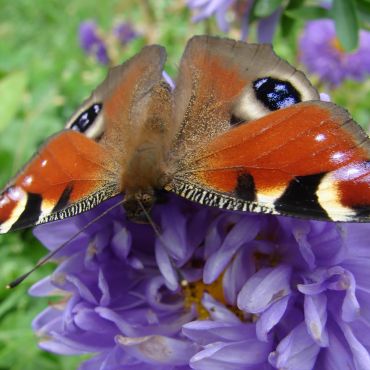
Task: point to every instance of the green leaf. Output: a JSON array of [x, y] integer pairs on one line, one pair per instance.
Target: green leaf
[[12, 90], [10, 301], [364, 5], [294, 4], [307, 13], [287, 25], [264, 8], [346, 23], [363, 9]]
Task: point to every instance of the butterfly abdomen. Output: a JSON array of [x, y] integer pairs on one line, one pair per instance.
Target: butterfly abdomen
[[144, 174]]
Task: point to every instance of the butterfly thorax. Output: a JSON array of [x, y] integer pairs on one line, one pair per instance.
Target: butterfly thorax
[[146, 165]]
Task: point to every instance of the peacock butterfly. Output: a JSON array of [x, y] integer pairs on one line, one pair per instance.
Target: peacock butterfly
[[243, 130]]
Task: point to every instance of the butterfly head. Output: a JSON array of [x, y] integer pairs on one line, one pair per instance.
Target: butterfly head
[[138, 205]]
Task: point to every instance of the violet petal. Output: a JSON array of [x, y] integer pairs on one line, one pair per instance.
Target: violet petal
[[265, 287]]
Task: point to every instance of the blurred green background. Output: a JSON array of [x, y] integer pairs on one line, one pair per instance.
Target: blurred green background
[[44, 76]]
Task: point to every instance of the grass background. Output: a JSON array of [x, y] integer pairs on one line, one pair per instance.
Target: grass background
[[44, 75]]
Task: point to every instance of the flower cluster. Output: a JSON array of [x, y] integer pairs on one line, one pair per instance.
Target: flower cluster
[[236, 10], [214, 289], [322, 54], [94, 43]]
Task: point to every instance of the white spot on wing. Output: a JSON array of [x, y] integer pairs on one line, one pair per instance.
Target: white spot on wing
[[15, 193], [353, 171], [27, 181], [320, 137], [338, 156]]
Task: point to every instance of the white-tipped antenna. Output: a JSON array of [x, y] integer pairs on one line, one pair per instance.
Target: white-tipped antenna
[[43, 260]]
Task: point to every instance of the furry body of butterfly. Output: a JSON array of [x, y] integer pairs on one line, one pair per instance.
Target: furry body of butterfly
[[243, 130]]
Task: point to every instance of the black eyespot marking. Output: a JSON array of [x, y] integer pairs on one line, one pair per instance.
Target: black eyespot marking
[[86, 118], [276, 94], [245, 187]]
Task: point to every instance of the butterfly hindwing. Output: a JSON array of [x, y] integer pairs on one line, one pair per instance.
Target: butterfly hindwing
[[70, 174], [308, 160]]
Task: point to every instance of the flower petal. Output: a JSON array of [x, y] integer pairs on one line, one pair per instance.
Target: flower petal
[[230, 356], [270, 317], [267, 27], [265, 287], [158, 349], [315, 311], [243, 232], [121, 241], [351, 306], [361, 356], [206, 332], [296, 351], [166, 266], [217, 310]]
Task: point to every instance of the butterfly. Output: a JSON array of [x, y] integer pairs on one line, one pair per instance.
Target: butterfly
[[242, 130]]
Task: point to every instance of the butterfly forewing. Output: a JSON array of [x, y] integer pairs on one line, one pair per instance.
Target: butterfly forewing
[[217, 87], [112, 108]]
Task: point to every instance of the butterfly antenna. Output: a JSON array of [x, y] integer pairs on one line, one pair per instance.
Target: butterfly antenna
[[160, 237], [150, 220], [50, 255]]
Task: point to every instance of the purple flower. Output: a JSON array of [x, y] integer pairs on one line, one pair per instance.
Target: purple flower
[[321, 53], [92, 43], [124, 32], [207, 8], [241, 11], [216, 289]]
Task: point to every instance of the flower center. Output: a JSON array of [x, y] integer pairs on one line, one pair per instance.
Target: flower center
[[193, 293]]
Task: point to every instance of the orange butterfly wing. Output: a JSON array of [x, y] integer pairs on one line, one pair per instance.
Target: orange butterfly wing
[[70, 174], [215, 86], [79, 168], [309, 160]]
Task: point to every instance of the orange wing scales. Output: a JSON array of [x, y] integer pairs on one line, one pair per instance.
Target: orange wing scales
[[68, 171], [308, 160]]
